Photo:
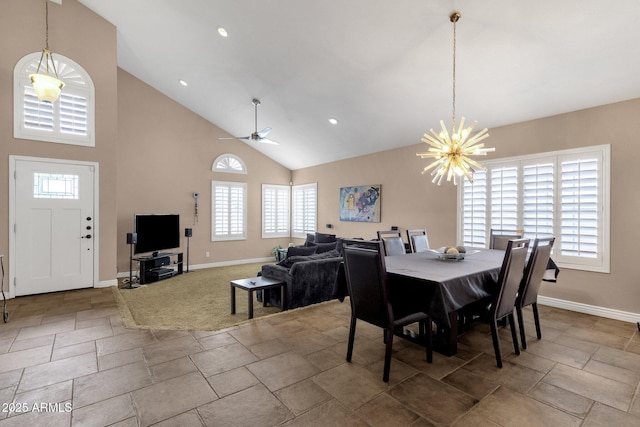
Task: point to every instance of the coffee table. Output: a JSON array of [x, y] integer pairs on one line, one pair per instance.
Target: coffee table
[[252, 284]]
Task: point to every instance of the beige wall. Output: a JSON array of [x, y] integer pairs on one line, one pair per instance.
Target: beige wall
[[154, 154], [165, 154], [409, 200], [79, 34]]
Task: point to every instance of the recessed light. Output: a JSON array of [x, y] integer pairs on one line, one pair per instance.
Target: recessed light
[[183, 83], [333, 121], [222, 32]]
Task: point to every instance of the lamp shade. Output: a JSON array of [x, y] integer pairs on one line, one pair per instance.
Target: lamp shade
[[47, 87]]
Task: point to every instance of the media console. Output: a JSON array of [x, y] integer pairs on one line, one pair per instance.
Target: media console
[[159, 266]]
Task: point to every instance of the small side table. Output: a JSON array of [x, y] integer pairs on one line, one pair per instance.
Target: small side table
[[253, 284]]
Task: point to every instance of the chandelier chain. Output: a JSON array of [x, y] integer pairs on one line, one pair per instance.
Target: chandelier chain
[[46, 24], [453, 113]]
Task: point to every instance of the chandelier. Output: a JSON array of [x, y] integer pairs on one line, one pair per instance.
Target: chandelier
[[451, 152], [46, 86]]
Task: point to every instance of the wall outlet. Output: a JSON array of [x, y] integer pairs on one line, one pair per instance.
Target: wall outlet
[[207, 254]]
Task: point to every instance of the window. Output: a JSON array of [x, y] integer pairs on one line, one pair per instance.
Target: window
[[55, 186], [304, 209], [275, 210], [564, 194], [229, 210], [68, 120], [229, 163]]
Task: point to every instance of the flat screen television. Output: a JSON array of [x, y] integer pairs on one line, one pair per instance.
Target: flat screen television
[[157, 232]]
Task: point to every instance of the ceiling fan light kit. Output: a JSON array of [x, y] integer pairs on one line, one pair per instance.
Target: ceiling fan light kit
[[257, 135], [451, 152]]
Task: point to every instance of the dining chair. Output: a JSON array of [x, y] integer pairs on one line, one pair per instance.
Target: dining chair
[[498, 239], [368, 292], [504, 300], [531, 281], [393, 243], [418, 240]]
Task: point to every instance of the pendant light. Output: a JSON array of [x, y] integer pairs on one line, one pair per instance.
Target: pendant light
[[451, 151], [46, 85]]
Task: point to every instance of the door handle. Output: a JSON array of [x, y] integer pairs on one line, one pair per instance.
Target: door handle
[[88, 236]]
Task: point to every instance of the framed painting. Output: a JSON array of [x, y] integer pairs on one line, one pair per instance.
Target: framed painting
[[360, 204]]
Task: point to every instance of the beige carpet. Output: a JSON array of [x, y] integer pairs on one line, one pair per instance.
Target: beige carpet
[[198, 300]]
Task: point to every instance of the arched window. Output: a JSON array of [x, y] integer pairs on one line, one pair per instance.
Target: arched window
[[68, 120], [229, 163]]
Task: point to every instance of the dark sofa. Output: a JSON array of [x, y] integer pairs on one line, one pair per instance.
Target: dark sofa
[[310, 272]]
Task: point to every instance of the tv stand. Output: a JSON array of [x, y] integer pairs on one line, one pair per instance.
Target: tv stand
[[159, 266]]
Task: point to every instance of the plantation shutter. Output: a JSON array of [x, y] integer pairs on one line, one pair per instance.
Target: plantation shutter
[[275, 210], [579, 225], [73, 114], [504, 198], [564, 194], [538, 206], [304, 209], [475, 210], [37, 114], [68, 120], [229, 210]]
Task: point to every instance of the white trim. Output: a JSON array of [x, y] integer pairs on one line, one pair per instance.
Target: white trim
[[77, 83], [594, 310], [229, 237], [107, 283], [603, 153], [277, 188], [214, 167], [12, 213]]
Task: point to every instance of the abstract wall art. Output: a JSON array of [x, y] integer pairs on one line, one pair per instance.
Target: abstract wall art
[[360, 203]]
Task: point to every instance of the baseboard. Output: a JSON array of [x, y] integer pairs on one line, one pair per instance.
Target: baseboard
[[125, 274], [107, 283], [594, 310]]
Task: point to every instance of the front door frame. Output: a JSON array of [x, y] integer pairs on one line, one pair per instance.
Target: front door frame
[[12, 214]]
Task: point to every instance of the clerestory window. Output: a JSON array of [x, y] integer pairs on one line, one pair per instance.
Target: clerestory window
[[68, 120]]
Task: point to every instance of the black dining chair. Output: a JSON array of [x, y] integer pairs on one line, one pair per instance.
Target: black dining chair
[[531, 281], [393, 243], [418, 240], [368, 292], [498, 239], [504, 300]]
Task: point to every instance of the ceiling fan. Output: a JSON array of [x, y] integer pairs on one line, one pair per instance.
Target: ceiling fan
[[258, 136]]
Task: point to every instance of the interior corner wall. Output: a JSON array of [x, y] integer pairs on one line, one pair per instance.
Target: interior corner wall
[[79, 34], [165, 154], [410, 200]]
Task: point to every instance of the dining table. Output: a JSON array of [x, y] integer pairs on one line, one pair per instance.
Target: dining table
[[426, 281]]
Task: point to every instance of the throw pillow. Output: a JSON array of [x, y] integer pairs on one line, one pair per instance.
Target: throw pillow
[[310, 239], [325, 247], [300, 250], [325, 238]]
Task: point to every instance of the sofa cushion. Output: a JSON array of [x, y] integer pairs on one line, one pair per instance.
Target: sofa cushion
[[289, 261], [301, 250], [324, 238]]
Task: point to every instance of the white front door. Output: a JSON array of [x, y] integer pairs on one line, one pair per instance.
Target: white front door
[[54, 226]]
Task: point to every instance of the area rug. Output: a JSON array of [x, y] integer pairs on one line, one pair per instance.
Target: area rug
[[198, 300]]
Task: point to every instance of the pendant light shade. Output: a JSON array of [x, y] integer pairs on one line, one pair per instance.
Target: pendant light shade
[[46, 84]]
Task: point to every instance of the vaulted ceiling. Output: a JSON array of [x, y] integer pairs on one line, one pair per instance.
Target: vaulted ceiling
[[382, 68]]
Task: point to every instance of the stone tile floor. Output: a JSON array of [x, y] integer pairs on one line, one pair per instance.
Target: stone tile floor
[[66, 359]]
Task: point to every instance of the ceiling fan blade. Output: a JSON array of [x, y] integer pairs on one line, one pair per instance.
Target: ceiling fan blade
[[269, 141], [264, 132], [237, 137]]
